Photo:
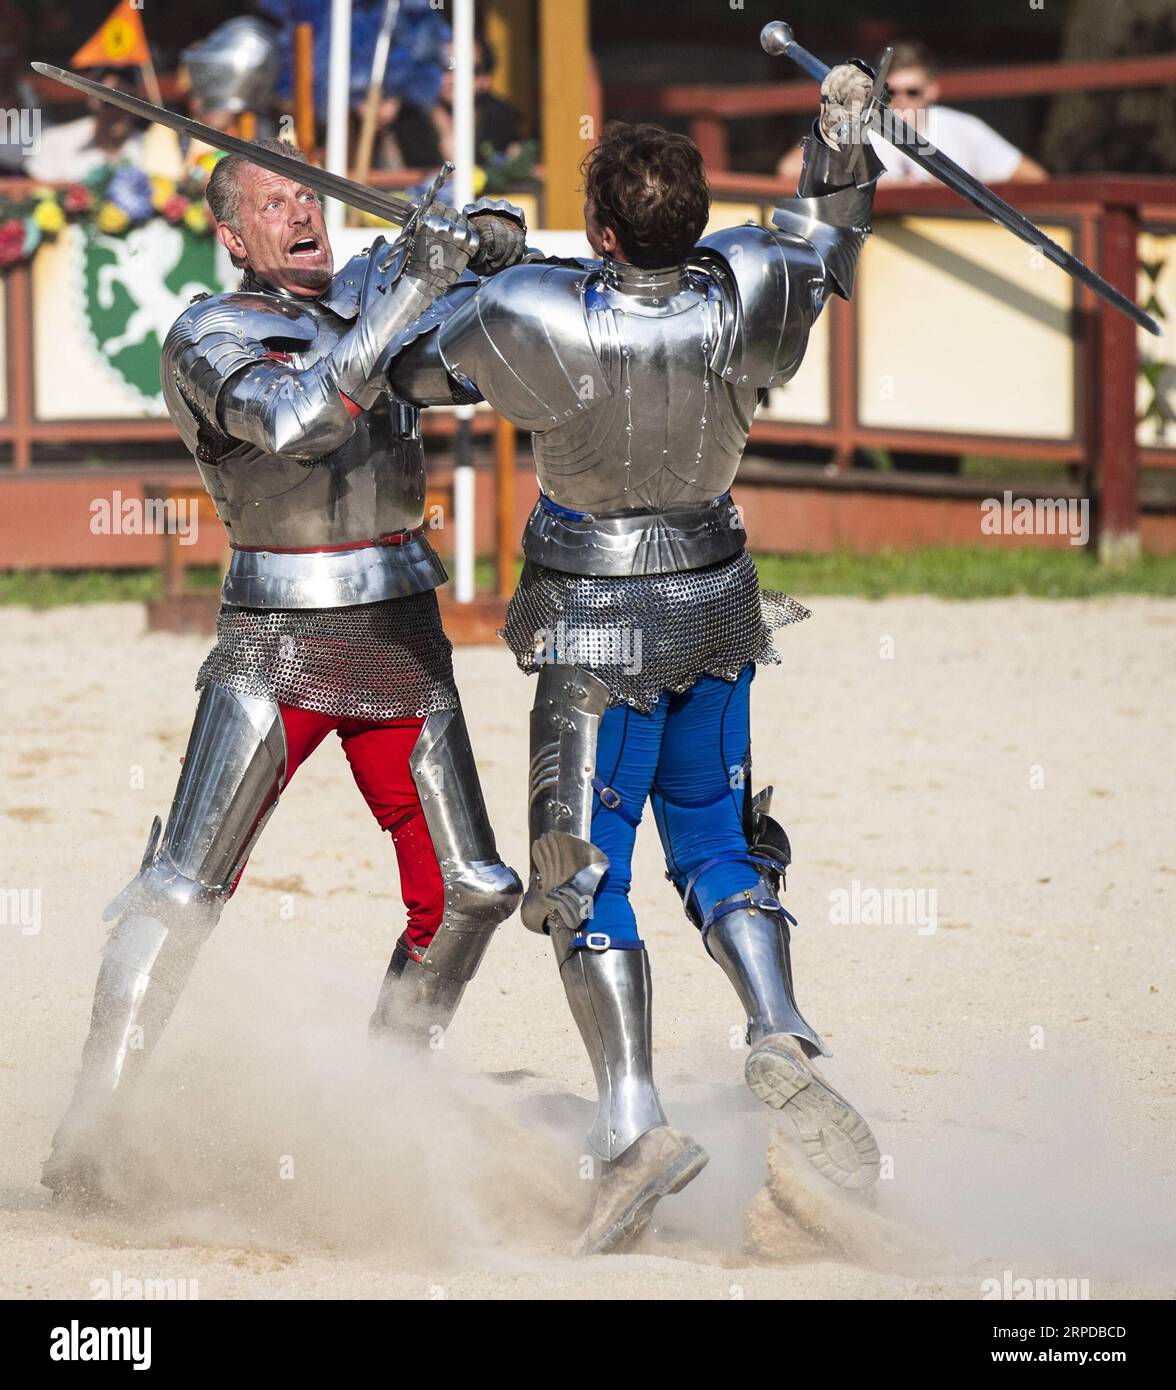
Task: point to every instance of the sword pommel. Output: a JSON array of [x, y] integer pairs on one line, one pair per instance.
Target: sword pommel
[[776, 38]]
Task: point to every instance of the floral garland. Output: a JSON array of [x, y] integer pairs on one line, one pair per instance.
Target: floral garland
[[115, 199], [112, 200]]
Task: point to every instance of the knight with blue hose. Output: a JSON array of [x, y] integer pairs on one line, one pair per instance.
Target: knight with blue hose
[[639, 608]]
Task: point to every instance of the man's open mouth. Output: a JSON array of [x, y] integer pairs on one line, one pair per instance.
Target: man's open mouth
[[305, 247]]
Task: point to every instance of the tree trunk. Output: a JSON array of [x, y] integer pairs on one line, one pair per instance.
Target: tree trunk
[[1131, 131]]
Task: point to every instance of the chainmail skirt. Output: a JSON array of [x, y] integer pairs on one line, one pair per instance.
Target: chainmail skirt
[[387, 660], [643, 634]]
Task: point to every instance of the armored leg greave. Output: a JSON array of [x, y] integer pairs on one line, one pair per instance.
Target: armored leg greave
[[233, 772], [609, 991], [565, 720], [611, 994], [748, 936], [422, 992]]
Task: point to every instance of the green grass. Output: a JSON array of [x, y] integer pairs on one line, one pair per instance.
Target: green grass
[[1009, 470], [49, 588], [946, 573], [963, 573]]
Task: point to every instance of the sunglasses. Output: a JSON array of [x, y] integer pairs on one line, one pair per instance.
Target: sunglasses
[[904, 91]]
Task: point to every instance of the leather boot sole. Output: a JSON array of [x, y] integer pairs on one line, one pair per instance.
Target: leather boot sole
[[834, 1137]]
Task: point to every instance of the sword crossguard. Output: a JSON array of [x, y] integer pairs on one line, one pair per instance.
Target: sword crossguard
[[430, 197], [408, 230], [878, 90], [876, 101]]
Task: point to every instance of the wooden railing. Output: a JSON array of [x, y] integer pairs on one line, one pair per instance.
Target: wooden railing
[[710, 107], [1105, 214]]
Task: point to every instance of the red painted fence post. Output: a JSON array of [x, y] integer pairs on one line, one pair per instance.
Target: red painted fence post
[[1118, 365]]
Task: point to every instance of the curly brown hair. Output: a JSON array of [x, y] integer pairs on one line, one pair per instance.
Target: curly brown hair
[[649, 185]]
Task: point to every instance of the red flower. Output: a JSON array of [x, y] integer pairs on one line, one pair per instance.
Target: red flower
[[77, 198], [12, 240], [175, 207]]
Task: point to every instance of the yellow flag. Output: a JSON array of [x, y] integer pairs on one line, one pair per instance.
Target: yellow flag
[[120, 43]]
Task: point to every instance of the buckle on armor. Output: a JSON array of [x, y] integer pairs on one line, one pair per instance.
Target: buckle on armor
[[592, 941], [566, 513], [611, 801], [760, 903]]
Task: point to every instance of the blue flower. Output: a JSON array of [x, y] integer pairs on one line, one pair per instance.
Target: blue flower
[[32, 237], [130, 189]]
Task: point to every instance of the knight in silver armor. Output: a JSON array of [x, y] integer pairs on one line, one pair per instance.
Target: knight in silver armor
[[639, 607], [329, 621]]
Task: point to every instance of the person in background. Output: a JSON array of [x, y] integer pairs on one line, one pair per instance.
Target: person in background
[[420, 137], [15, 99], [914, 96], [105, 135]]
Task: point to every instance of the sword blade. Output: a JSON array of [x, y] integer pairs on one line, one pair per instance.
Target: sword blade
[[356, 195], [920, 151], [777, 38]]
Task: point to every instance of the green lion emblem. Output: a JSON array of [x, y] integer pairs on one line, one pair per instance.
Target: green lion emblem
[[135, 287]]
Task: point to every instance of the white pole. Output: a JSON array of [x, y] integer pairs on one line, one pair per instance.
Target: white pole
[[463, 192], [463, 510], [463, 101], [338, 104]]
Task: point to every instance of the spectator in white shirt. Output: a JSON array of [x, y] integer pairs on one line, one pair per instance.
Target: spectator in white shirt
[[74, 149], [914, 94]]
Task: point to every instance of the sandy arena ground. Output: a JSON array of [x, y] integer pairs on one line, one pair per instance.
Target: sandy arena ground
[[1017, 758]]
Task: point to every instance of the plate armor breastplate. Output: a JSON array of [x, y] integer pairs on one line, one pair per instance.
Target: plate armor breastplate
[[639, 387], [667, 432], [315, 532]]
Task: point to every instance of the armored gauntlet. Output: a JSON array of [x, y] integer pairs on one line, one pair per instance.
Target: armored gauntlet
[[833, 156], [310, 412], [441, 249]]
